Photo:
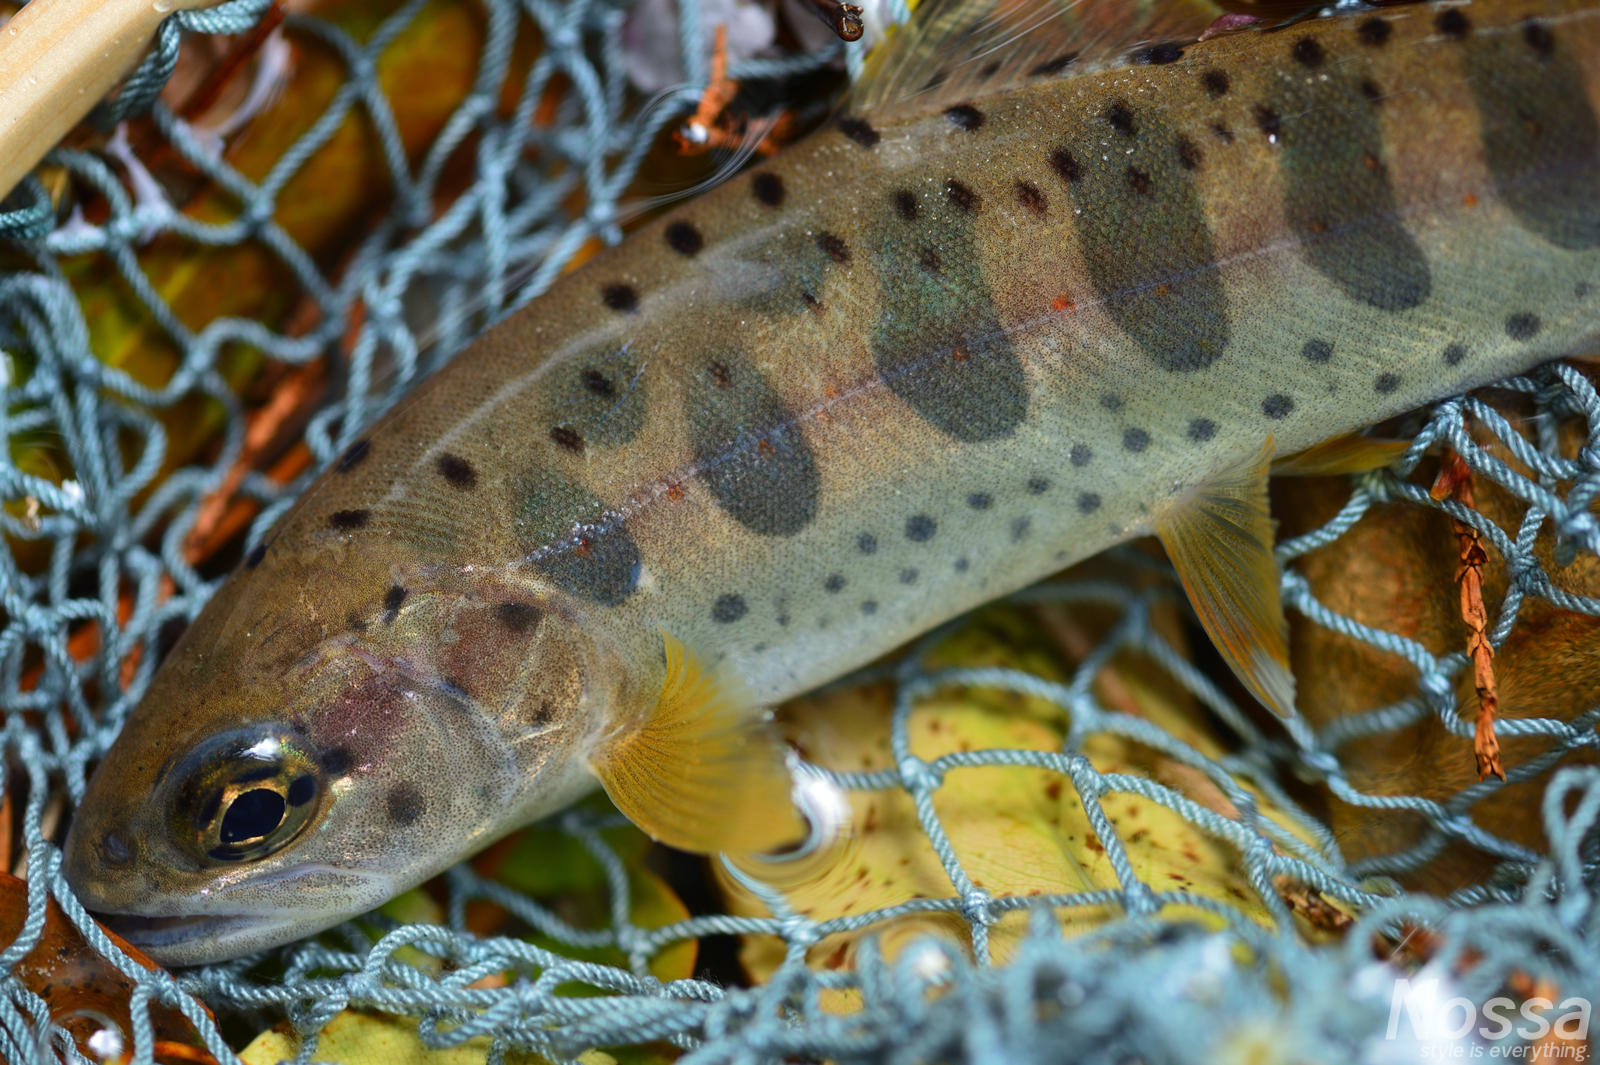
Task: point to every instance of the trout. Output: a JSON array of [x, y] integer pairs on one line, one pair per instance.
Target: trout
[[1054, 278]]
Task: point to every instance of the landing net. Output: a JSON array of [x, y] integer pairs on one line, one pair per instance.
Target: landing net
[[1142, 988]]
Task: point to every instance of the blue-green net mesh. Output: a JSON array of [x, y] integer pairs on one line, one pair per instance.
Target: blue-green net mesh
[[1142, 989]]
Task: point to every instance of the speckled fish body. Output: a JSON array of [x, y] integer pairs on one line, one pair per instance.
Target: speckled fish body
[[914, 363]]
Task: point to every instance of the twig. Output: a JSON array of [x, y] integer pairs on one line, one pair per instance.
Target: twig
[[295, 392], [1455, 482]]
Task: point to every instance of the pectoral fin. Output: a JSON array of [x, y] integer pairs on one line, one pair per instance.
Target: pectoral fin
[[1221, 543], [1342, 454], [704, 772]]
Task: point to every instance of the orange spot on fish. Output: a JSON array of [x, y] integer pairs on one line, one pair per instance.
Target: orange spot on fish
[[1318, 226], [1063, 302], [959, 355], [1162, 289], [1469, 200], [674, 492], [1371, 161], [583, 547], [765, 447]]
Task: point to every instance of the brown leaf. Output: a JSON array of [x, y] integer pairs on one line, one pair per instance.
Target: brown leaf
[[69, 976]]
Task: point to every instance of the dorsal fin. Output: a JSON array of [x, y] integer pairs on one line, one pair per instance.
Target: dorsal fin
[[953, 51]]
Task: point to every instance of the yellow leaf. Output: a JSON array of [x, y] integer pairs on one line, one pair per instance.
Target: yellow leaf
[[1016, 831], [354, 1038]]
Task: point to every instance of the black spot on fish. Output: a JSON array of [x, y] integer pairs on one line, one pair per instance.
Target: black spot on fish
[[1188, 153], [1374, 31], [1224, 134], [1081, 454], [1020, 528], [1454, 354], [570, 537], [768, 187], [1386, 383], [1317, 351], [1065, 165], [908, 576], [1148, 247], [749, 449], [1522, 326], [1277, 406], [1339, 200], [1452, 23], [350, 519], [457, 470], [980, 500], [1541, 138], [962, 196], [1053, 66], [1216, 82], [354, 456], [568, 438], [1111, 401], [1159, 54], [834, 583], [961, 565], [1088, 503], [335, 763], [728, 609], [599, 394], [929, 258], [1308, 53], [302, 791], [620, 297], [1538, 37], [685, 239], [834, 246], [1135, 440], [517, 617], [1268, 121], [253, 559], [858, 130], [989, 70], [404, 804], [1202, 429], [393, 599], [964, 116], [356, 622], [1582, 290], [867, 544], [870, 606], [1030, 196], [1370, 91], [920, 528], [1121, 119], [1038, 486], [906, 202]]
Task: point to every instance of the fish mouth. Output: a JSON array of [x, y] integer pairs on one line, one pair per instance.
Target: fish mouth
[[199, 939]]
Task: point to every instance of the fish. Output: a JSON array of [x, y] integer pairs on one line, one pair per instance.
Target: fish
[[1055, 276]]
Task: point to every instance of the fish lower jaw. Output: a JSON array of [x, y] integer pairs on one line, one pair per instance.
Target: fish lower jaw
[[200, 939]]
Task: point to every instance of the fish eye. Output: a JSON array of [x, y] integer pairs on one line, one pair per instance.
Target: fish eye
[[243, 795]]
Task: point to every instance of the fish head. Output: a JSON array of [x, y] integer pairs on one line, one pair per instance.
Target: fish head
[[298, 759]]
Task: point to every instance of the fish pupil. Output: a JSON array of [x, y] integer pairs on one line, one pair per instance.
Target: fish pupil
[[252, 815]]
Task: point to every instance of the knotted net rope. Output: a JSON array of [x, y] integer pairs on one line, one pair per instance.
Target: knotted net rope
[[1141, 989]]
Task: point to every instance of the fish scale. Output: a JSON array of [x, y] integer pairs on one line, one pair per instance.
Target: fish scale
[[931, 354]]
